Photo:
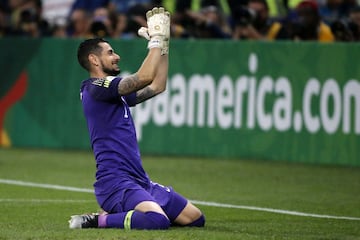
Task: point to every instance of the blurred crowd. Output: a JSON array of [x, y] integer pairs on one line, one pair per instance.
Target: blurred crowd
[[316, 20]]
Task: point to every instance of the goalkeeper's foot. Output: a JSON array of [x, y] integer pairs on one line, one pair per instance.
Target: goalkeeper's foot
[[84, 221]]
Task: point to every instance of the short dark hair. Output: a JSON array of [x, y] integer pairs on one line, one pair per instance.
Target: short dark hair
[[89, 46]]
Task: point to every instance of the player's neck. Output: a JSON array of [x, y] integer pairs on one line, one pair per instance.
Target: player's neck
[[98, 75]]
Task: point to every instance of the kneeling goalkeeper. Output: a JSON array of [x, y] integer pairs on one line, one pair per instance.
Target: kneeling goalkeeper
[[122, 188]]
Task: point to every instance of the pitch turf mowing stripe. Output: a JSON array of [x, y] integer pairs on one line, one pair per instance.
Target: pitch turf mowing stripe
[[212, 204]]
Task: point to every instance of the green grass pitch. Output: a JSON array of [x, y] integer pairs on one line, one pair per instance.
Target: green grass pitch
[[41, 213]]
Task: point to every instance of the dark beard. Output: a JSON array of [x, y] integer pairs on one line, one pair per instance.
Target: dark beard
[[108, 71], [111, 72]]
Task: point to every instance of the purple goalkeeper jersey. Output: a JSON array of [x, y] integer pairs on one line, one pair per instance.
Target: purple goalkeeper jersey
[[112, 135]]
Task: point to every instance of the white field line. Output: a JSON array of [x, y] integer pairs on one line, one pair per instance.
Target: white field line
[[48, 186], [272, 210], [23, 200], [212, 204]]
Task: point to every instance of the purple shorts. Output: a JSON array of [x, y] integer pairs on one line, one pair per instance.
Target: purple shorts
[[125, 200]]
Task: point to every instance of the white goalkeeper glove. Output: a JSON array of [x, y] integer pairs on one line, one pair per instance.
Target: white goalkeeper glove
[[158, 31], [143, 32]]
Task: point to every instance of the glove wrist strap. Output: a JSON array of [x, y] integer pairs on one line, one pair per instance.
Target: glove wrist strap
[[155, 42]]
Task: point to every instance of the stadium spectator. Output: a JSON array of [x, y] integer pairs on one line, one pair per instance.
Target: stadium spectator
[[27, 25], [59, 31], [134, 20], [252, 21], [354, 22], [5, 28], [119, 26], [304, 23], [98, 29], [15, 9], [123, 6], [348, 29], [310, 25], [101, 25], [331, 11], [341, 31], [209, 22], [335, 10], [317, 20], [89, 6], [26, 18], [79, 25], [56, 12]]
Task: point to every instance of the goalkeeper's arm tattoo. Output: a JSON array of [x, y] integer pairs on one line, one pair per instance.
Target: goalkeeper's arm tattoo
[[129, 84], [144, 94]]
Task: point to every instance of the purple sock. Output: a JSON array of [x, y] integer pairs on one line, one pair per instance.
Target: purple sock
[[200, 222], [102, 221], [134, 220], [113, 220], [149, 220]]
